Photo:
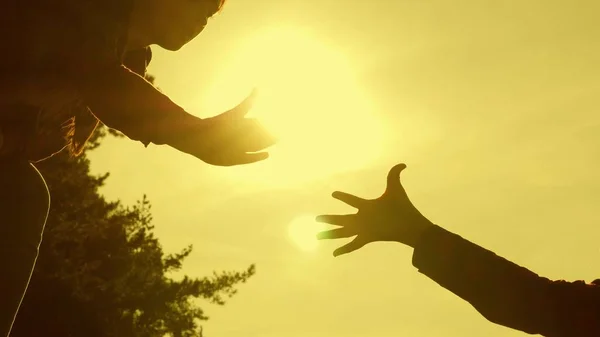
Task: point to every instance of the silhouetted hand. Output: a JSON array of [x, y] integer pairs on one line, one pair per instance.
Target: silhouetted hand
[[229, 138], [391, 217]]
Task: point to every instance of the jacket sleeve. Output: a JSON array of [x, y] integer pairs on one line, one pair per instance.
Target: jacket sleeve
[[125, 101], [505, 293]]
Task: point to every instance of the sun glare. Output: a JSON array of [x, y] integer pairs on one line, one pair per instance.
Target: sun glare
[[309, 98], [303, 230]]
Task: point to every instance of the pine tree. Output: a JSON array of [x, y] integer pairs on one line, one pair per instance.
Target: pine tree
[[102, 272]]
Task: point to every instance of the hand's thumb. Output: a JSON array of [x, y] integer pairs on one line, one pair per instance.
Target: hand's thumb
[[393, 179], [243, 107]]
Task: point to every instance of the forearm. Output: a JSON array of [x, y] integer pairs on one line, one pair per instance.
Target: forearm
[[125, 101], [505, 293]]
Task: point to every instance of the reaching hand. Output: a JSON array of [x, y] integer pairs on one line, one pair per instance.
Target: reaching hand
[[391, 217], [229, 138]]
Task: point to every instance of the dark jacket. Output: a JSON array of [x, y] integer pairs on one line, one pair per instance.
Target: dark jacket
[[508, 294]]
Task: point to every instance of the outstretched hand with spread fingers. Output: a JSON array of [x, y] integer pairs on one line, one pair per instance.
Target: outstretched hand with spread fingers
[[391, 217]]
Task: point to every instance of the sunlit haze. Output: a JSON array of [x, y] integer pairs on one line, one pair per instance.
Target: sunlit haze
[[494, 107], [303, 230], [310, 98]]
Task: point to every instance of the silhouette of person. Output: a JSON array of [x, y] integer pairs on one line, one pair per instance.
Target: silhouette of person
[[68, 65], [503, 292]]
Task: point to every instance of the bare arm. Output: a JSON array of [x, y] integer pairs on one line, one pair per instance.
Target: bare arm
[[125, 101]]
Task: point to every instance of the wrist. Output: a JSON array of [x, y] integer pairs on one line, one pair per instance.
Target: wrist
[[417, 231], [176, 129]]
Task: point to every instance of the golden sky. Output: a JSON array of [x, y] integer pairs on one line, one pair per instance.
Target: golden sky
[[492, 105]]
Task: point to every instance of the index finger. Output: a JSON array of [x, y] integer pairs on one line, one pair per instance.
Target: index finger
[[337, 220], [250, 158], [349, 199]]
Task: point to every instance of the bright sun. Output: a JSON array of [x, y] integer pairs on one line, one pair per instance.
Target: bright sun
[[303, 230], [308, 97]]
